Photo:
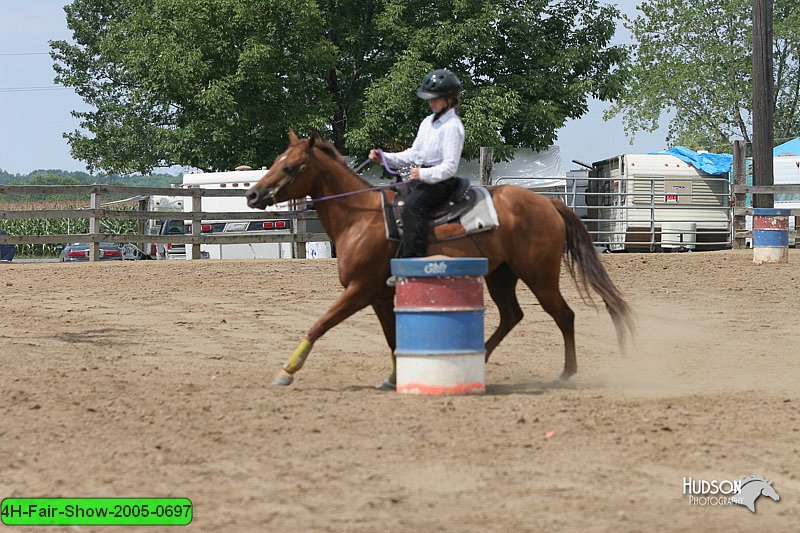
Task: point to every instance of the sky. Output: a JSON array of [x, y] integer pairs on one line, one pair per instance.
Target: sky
[[35, 113]]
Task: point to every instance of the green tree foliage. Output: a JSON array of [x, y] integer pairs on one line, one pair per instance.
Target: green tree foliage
[[693, 60], [217, 83], [526, 67], [6, 177], [64, 177], [48, 178]]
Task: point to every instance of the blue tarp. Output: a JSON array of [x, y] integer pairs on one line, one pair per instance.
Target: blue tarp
[[708, 163], [788, 148]]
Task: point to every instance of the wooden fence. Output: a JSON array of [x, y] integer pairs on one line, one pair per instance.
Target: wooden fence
[[96, 212], [298, 237], [740, 213]]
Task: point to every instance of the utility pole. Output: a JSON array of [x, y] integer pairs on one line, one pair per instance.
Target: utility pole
[[763, 101], [486, 162]]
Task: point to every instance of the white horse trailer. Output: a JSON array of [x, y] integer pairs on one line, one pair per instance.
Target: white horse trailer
[[657, 201], [243, 179]]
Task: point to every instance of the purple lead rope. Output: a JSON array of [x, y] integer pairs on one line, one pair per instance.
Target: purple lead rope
[[383, 161], [350, 193]]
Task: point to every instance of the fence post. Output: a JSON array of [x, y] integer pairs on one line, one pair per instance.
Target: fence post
[[739, 200], [300, 226], [141, 225], [94, 228], [486, 163], [652, 216], [197, 206]]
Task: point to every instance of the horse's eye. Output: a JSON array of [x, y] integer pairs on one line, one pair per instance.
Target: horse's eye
[[288, 170]]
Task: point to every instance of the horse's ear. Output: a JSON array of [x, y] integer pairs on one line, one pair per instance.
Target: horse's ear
[[293, 138], [312, 140]]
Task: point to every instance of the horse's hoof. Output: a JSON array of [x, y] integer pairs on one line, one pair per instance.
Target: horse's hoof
[[561, 383], [386, 385], [564, 376], [283, 379]]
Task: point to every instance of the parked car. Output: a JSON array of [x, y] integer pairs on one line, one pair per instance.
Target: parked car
[[79, 251], [171, 250], [7, 251], [181, 227]]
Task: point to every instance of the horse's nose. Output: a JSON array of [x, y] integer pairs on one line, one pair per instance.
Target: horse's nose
[[252, 197]]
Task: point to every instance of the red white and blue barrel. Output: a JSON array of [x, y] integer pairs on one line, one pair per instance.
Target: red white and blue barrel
[[770, 235], [439, 317]]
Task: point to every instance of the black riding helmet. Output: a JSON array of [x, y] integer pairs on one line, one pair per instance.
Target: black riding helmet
[[437, 83]]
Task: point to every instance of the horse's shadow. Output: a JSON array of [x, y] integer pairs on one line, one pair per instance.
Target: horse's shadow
[[532, 388]]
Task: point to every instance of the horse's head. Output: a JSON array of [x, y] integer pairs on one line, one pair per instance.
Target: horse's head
[[768, 491], [284, 180]]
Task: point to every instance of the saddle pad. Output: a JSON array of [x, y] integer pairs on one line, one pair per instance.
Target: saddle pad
[[458, 220]]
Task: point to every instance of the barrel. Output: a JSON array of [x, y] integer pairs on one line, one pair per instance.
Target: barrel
[[770, 235], [439, 316]]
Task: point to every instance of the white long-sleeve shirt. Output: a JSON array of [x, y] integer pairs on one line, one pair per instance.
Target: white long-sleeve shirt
[[438, 147]]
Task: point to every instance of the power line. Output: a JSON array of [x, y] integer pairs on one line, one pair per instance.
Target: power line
[[32, 89], [26, 54]]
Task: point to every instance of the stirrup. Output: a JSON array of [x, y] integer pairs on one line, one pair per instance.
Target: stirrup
[[391, 281]]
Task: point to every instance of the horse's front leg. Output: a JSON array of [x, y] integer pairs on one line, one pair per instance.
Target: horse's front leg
[[353, 299]]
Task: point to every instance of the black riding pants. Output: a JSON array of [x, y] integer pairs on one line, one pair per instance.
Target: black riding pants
[[422, 201]]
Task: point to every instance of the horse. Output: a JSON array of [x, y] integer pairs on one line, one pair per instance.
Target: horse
[[751, 488], [528, 245]]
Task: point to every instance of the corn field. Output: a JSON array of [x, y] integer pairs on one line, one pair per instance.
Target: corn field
[[56, 226]]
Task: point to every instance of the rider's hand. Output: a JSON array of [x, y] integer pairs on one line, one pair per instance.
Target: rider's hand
[[414, 175], [375, 155]]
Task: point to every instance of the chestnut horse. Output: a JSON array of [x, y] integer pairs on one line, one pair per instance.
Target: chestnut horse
[[528, 245]]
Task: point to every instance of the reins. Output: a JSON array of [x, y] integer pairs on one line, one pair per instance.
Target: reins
[[349, 193], [383, 162]]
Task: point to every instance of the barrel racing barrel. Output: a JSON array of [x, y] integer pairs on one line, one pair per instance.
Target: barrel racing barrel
[[439, 316], [770, 235]]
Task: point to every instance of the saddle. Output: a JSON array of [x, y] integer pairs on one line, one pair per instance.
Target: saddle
[[469, 210]]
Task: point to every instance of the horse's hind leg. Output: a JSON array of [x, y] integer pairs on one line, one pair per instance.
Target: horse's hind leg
[[502, 285], [545, 287]]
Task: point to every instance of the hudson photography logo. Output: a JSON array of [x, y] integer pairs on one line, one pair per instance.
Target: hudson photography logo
[[724, 492]]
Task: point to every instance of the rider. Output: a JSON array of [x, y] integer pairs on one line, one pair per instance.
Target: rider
[[435, 155]]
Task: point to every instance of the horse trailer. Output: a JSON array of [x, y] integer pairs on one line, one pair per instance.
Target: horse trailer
[[652, 202], [242, 180]]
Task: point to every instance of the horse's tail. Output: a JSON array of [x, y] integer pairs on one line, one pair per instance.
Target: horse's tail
[[591, 273]]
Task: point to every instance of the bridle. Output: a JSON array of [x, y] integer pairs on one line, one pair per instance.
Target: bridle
[[294, 172]]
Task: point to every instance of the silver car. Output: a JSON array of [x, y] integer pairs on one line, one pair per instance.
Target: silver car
[[79, 251]]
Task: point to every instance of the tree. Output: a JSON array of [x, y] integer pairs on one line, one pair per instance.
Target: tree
[[209, 84], [49, 178], [526, 68], [692, 59], [218, 83]]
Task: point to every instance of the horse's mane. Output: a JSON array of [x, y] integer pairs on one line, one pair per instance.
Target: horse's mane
[[331, 151], [749, 479]]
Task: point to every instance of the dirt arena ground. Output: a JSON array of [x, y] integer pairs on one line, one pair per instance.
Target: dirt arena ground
[[153, 379]]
